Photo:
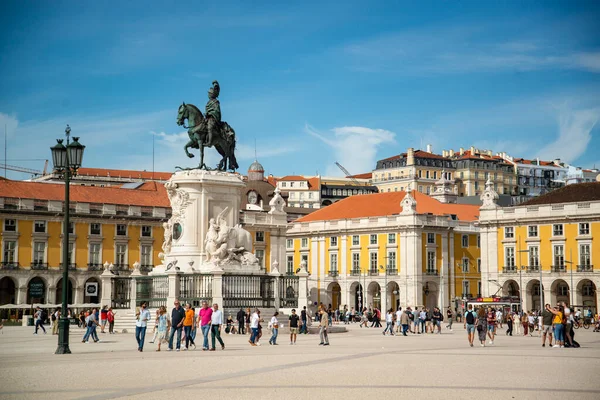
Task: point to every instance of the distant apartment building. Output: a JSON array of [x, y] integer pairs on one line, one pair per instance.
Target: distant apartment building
[[334, 189], [537, 177], [301, 191], [416, 169]]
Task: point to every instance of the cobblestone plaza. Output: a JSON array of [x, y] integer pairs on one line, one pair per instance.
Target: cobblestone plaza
[[359, 363]]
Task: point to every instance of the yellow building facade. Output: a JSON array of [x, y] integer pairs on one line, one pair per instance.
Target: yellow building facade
[[544, 250], [387, 250]]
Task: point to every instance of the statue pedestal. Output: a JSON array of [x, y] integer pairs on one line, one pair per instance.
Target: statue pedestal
[[197, 196]]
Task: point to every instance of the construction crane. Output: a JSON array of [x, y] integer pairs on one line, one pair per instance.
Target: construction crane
[[23, 169], [348, 175]]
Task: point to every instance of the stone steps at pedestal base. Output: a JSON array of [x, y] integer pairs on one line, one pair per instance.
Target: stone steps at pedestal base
[[125, 319]]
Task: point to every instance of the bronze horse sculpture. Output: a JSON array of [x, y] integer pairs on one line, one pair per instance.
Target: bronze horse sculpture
[[197, 128]]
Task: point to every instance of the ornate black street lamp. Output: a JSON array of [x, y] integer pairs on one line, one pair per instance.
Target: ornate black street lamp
[[66, 161]]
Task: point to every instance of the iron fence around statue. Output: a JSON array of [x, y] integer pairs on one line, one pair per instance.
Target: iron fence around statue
[[154, 290], [121, 292], [288, 291], [194, 289], [254, 291]]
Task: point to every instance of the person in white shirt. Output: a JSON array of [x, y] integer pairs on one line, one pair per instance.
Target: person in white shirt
[[274, 325], [569, 324], [216, 320], [499, 318], [398, 315], [143, 316], [254, 320], [389, 322]]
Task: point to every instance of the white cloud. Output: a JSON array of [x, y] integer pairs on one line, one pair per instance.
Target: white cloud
[[574, 135], [354, 147]]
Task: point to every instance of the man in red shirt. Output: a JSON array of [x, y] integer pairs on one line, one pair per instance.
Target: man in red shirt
[[204, 317], [491, 322]]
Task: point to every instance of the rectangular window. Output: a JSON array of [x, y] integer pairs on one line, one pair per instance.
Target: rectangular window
[[71, 259], [310, 195], [584, 255], [95, 258], [260, 236], [289, 243], [420, 174], [557, 230], [95, 229], [304, 242], [39, 252], [534, 256], [146, 255], [121, 230], [71, 228], [434, 174], [559, 255], [478, 241], [304, 257], [509, 257], [289, 266], [373, 261], [476, 175], [466, 289], [333, 262], [146, 231], [9, 251], [40, 227], [479, 265], [260, 255], [476, 185], [333, 241], [391, 238], [509, 232], [391, 260], [10, 225], [283, 184], [355, 261], [121, 254], [465, 241], [478, 288], [355, 241], [427, 174], [431, 262], [465, 265], [373, 239], [431, 238], [584, 228], [532, 231]]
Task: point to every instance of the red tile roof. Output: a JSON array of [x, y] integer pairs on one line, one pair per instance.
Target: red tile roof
[[418, 154], [313, 182], [382, 204], [366, 175], [150, 194], [124, 173], [534, 162]]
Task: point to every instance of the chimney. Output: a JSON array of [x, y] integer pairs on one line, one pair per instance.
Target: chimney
[[429, 149], [444, 153], [489, 153], [410, 156], [472, 150], [461, 151], [451, 153]]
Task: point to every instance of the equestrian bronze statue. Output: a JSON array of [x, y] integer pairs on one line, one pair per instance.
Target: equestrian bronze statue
[[209, 131]]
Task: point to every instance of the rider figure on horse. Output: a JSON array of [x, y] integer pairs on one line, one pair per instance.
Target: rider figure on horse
[[213, 113]]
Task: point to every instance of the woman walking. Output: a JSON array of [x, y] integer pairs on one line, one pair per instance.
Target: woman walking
[[516, 323], [162, 325], [389, 322], [188, 325], [274, 325], [509, 322], [524, 323], [481, 325], [557, 324]]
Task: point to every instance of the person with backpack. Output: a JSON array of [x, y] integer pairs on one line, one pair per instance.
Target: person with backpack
[[39, 320], [54, 318], [470, 323]]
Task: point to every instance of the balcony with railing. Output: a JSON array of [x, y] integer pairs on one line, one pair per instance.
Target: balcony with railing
[[121, 267], [533, 268], [373, 272], [146, 268], [39, 266], [94, 267], [333, 273], [585, 268], [559, 268], [355, 272], [511, 269], [72, 267], [392, 271], [9, 265], [431, 272]]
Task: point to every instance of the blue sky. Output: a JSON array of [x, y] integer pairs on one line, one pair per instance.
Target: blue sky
[[310, 82]]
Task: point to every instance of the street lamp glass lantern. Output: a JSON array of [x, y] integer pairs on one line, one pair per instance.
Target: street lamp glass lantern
[[59, 155], [75, 150]]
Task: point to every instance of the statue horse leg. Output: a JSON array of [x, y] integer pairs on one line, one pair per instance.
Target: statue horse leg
[[202, 165], [187, 146]]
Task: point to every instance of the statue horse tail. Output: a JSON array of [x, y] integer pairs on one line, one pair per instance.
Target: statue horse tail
[[228, 136]]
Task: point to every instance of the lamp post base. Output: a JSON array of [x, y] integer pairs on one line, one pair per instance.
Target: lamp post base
[[63, 336]]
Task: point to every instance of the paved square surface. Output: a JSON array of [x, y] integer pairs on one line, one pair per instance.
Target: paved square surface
[[359, 364]]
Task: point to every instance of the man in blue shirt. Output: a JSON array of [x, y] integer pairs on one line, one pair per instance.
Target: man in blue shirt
[[143, 316]]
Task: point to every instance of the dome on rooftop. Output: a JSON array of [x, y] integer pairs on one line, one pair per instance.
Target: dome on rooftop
[[256, 167], [256, 172]]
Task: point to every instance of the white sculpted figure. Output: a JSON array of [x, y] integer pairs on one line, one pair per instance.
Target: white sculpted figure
[[225, 243]]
